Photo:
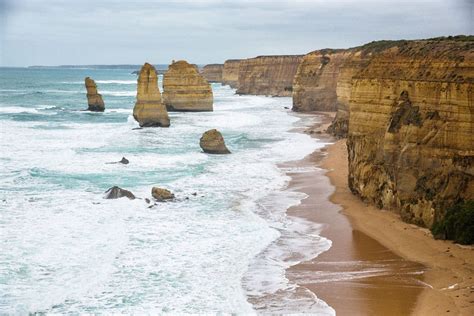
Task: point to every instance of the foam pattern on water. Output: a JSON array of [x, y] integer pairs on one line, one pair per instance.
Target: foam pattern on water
[[67, 250]]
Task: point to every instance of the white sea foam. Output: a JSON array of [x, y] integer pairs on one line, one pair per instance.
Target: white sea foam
[[70, 251]]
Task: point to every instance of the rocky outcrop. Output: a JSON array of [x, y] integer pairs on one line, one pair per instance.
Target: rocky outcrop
[[161, 194], [411, 128], [94, 99], [212, 142], [268, 75], [149, 111], [184, 89], [213, 72], [230, 73], [117, 193]]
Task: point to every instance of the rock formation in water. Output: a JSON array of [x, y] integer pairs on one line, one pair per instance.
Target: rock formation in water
[[212, 142], [184, 89], [161, 194], [94, 99], [411, 128], [149, 111], [268, 75], [213, 72], [230, 73], [117, 193]]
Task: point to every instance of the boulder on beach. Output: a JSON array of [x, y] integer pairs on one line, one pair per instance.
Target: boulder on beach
[[116, 193], [161, 194], [94, 99], [149, 111], [212, 142], [185, 89]]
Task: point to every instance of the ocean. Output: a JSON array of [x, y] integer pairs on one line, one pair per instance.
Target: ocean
[[226, 237]]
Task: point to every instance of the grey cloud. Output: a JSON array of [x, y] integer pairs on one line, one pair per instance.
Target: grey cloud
[[113, 31]]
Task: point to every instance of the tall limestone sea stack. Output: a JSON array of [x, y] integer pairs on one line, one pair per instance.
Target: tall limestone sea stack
[[268, 75], [184, 89], [149, 111], [94, 99], [213, 72], [411, 128]]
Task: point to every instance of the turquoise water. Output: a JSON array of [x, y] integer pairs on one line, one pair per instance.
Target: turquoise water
[[65, 249]]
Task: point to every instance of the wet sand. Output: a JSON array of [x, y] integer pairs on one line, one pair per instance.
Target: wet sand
[[377, 265]]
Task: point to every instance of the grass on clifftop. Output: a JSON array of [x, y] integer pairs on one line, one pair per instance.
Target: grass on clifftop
[[458, 224]]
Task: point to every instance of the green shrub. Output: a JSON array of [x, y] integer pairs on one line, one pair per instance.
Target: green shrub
[[458, 224]]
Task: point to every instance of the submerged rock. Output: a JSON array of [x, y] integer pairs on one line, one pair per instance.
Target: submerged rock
[[149, 111], [116, 193], [212, 142], [161, 194], [94, 99], [185, 89]]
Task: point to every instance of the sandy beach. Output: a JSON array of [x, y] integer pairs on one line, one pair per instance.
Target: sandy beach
[[378, 264]]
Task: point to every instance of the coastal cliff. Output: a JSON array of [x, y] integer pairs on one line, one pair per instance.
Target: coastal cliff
[[230, 73], [184, 89], [315, 82], [411, 128], [213, 72], [268, 75]]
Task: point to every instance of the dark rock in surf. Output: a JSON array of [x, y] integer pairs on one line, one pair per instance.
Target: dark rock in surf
[[116, 193]]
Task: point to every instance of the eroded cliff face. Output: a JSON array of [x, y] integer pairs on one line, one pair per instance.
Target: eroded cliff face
[[315, 82], [184, 89], [411, 128], [213, 72], [230, 73], [268, 75]]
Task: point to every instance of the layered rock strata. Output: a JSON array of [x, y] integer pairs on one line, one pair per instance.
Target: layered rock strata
[[230, 73], [314, 87], [149, 111], [411, 128], [184, 89], [94, 99], [213, 72], [268, 75]]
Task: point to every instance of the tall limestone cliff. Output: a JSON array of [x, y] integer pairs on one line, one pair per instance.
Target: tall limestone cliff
[[94, 99], [230, 73], [184, 89], [149, 111], [213, 72], [411, 128], [268, 75], [314, 87]]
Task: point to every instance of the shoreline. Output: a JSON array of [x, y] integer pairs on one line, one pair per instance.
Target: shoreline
[[422, 276]]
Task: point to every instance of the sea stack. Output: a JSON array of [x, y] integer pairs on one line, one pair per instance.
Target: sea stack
[[185, 89], [212, 142], [149, 111], [94, 99]]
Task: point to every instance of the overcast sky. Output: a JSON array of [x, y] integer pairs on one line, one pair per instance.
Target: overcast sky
[[54, 32]]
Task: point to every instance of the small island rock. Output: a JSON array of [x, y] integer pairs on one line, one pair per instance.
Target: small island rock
[[161, 194], [94, 99], [212, 142]]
